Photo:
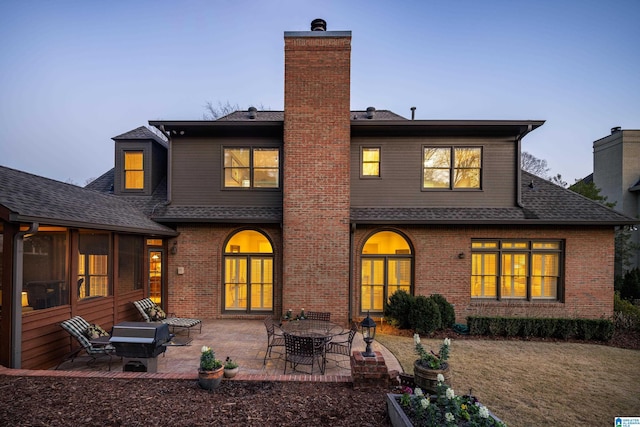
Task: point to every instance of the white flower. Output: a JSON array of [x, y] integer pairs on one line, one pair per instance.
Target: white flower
[[447, 342], [416, 338], [424, 403], [440, 378], [483, 412], [418, 391], [205, 349], [449, 417], [450, 394]]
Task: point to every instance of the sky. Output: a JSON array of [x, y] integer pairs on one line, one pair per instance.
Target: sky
[[74, 74]]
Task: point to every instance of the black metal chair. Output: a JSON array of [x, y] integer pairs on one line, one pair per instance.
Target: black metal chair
[[304, 351], [274, 339], [318, 315], [341, 344]]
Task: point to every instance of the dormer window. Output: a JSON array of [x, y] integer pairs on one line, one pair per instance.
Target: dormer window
[[133, 170]]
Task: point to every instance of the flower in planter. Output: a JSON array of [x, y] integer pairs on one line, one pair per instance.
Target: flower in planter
[[230, 363], [446, 409], [429, 358], [208, 361]]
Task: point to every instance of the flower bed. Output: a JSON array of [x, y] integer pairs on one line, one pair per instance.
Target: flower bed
[[413, 408]]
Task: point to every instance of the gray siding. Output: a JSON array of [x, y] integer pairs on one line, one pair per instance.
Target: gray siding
[[401, 175], [197, 174]]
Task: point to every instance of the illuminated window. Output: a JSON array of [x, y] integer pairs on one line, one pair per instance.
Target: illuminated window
[[251, 168], [133, 170], [451, 168], [387, 264], [44, 269], [248, 275], [371, 162], [527, 269], [93, 265]]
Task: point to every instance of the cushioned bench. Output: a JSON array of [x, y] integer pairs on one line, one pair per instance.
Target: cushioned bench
[[150, 312]]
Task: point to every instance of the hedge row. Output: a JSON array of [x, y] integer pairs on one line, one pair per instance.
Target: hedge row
[[584, 329]]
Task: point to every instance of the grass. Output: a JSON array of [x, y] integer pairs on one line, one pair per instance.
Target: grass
[[529, 383]]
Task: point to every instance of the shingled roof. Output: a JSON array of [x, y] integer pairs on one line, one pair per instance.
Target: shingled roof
[[274, 116], [141, 132], [543, 203], [31, 198]]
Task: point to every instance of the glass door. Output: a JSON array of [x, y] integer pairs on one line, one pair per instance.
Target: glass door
[[155, 275]]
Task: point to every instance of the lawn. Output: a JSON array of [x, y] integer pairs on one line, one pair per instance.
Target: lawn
[[530, 383]]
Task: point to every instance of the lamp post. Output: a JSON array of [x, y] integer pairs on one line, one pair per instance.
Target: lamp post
[[368, 333]]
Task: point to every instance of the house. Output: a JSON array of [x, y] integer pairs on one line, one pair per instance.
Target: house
[[616, 172], [315, 207]]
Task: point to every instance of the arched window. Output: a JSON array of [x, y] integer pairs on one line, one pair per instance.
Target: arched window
[[248, 273], [387, 266]]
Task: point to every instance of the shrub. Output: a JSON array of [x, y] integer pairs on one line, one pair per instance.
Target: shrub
[[447, 312], [424, 315], [626, 315], [399, 307], [630, 286]]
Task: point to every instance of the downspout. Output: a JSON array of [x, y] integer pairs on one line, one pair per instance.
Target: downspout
[[16, 298], [351, 271], [519, 165]]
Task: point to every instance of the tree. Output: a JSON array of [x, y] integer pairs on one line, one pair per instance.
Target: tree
[[557, 180], [591, 191], [214, 113], [534, 165]]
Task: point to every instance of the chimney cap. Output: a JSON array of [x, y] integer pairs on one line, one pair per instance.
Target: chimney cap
[[318, 25], [616, 129], [253, 111], [370, 112]]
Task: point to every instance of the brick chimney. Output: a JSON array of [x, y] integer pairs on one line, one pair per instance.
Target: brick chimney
[[316, 184]]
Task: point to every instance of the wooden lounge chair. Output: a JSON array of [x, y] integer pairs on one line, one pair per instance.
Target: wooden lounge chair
[[318, 315], [304, 351], [78, 328], [146, 306], [274, 339]]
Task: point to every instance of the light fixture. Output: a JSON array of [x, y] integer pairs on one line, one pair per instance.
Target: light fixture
[[368, 333], [25, 300], [174, 248], [461, 255]]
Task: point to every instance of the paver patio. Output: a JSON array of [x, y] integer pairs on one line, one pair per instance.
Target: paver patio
[[245, 341]]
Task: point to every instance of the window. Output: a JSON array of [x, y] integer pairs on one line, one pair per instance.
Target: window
[[387, 264], [130, 263], [516, 269], [251, 168], [370, 162], [45, 269], [93, 265], [133, 170], [451, 167], [248, 275]]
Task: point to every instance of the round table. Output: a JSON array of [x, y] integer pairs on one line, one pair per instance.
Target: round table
[[312, 328]]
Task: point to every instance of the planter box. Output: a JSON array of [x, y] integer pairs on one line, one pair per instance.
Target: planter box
[[397, 416]]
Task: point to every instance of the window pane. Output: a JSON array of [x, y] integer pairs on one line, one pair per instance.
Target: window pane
[[133, 170], [236, 167], [437, 157], [44, 271], [265, 163], [261, 283], [372, 284], [248, 241], [436, 178], [484, 275], [546, 245], [544, 275], [484, 245], [386, 242], [235, 283], [93, 265], [466, 178], [514, 275], [466, 158], [371, 162], [265, 178]]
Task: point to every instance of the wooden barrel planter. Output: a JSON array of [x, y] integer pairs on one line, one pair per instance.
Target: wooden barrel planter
[[427, 378], [210, 380]]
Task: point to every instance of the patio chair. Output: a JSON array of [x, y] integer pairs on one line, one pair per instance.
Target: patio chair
[[150, 312], [304, 351], [318, 315], [341, 344], [274, 339], [78, 328]]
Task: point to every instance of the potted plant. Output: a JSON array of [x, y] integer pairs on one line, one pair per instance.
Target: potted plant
[[429, 365], [210, 371], [230, 368], [444, 408]]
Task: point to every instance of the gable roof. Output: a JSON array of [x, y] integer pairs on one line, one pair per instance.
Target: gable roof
[[141, 132], [32, 198]]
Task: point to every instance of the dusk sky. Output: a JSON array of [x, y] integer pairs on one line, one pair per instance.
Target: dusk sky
[[74, 74]]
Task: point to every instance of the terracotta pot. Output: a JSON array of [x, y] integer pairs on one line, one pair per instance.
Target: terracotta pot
[[210, 380], [230, 373], [427, 378]]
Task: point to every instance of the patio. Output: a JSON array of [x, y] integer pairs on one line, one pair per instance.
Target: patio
[[245, 341]]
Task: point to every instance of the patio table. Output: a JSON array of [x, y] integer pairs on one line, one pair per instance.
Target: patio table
[[312, 328]]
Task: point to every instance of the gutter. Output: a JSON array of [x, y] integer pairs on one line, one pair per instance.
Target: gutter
[[16, 297]]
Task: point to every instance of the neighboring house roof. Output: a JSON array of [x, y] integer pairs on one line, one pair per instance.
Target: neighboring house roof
[[543, 203], [142, 132], [31, 198]]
